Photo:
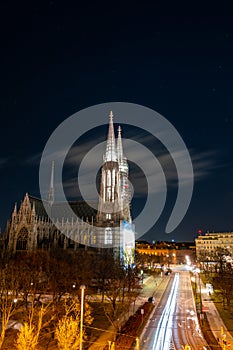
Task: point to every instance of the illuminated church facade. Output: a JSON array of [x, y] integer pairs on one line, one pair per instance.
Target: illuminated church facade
[[40, 224]]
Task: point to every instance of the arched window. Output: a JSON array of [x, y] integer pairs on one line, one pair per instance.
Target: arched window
[[108, 235], [22, 239]]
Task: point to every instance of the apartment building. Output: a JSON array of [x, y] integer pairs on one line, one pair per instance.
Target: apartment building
[[209, 242]]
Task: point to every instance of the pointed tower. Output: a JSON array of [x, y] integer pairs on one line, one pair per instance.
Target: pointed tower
[[108, 209], [14, 214], [33, 212], [119, 146], [113, 207], [124, 182], [51, 188], [25, 209], [110, 154]]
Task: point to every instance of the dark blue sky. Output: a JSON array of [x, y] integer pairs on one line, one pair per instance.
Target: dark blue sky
[[60, 57]]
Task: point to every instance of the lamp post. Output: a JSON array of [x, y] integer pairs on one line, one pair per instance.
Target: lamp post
[[137, 343], [199, 280], [82, 287], [222, 339]]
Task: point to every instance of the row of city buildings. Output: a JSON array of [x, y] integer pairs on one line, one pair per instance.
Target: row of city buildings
[[204, 248], [165, 253]]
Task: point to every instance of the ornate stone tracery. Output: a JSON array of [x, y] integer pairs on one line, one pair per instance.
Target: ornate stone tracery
[[31, 228]]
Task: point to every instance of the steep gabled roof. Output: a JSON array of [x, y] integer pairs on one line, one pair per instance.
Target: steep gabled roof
[[59, 209]]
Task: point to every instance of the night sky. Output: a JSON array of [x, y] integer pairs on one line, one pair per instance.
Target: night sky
[[60, 57]]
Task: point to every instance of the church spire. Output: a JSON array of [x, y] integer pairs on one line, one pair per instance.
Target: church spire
[[14, 214], [51, 188], [110, 154], [119, 146], [15, 210]]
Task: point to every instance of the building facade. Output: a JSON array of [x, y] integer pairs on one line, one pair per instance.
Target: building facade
[[207, 244], [46, 224], [166, 253]]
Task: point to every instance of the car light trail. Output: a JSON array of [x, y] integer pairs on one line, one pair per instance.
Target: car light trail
[[163, 334]]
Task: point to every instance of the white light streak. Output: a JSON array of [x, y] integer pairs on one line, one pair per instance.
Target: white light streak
[[163, 334]]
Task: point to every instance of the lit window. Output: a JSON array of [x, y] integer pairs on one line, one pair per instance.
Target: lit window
[[108, 236]]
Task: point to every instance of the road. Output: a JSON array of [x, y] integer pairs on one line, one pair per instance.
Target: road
[[173, 323], [185, 323]]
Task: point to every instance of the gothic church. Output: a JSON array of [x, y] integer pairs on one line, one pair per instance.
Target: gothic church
[[45, 224]]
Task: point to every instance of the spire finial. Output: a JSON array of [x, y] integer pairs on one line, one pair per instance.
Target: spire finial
[[26, 199], [119, 145], [15, 210], [33, 212], [51, 188], [110, 154]]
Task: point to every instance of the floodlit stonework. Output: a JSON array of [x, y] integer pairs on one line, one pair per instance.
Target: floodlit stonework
[[45, 224]]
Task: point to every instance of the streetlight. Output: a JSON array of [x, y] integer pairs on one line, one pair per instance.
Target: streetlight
[[137, 343], [174, 258], [111, 345], [142, 275], [82, 287], [223, 337], [199, 279]]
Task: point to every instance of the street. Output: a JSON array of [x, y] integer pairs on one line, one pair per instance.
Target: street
[[173, 324]]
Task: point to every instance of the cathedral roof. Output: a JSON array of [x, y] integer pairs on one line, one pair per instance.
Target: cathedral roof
[[59, 209]]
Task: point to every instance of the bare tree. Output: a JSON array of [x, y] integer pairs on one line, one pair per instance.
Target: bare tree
[[67, 331], [103, 264], [120, 293], [9, 291], [28, 336]]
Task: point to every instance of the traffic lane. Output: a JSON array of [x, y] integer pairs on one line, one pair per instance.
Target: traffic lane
[[186, 330], [161, 295]]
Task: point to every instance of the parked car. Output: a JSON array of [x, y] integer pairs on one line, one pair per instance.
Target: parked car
[[151, 300]]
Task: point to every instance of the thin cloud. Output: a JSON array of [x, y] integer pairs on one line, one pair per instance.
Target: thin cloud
[[3, 161], [163, 172], [203, 165], [34, 159]]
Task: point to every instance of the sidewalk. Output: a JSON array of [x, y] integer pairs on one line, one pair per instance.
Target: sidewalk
[[102, 341], [217, 326]]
